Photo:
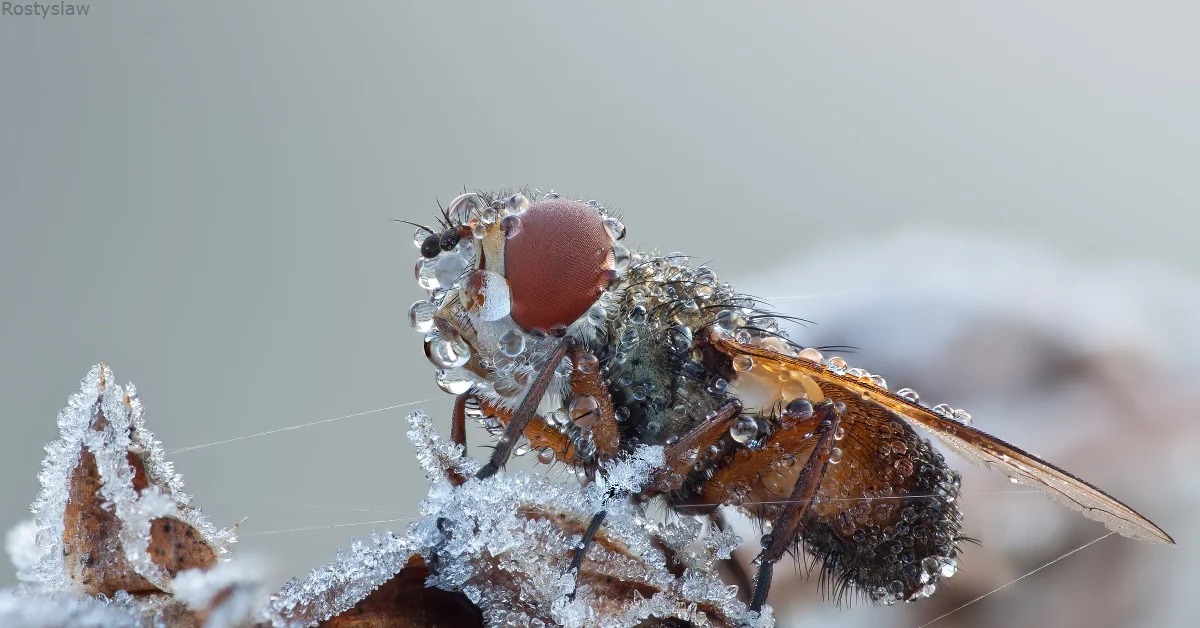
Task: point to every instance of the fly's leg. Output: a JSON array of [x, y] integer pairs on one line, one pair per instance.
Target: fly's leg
[[525, 412], [789, 522], [678, 457], [458, 424], [584, 543]]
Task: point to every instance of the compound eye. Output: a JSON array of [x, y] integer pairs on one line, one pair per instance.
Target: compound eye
[[557, 262]]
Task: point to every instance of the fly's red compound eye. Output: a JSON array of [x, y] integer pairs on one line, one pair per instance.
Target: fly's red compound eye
[[557, 260]]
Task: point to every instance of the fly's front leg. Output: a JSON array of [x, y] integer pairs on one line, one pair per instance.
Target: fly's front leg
[[525, 412], [790, 522]]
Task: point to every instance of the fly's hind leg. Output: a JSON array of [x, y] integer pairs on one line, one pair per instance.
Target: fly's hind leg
[[789, 523]]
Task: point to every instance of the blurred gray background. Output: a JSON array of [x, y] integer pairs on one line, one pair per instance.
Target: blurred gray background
[[201, 194]]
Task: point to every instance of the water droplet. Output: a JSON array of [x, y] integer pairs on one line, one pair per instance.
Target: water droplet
[[944, 410], [837, 365], [507, 387], [680, 337], [962, 416], [767, 527], [620, 258], [454, 381], [420, 315], [419, 237], [449, 269], [744, 429], [511, 343], [729, 320], [904, 466], [521, 449], [447, 351], [517, 203], [463, 207], [909, 395], [878, 382], [812, 355], [835, 455], [587, 363], [425, 272], [511, 224], [488, 216], [743, 363], [839, 433], [585, 445], [546, 455], [949, 568], [615, 227], [584, 411], [799, 410]]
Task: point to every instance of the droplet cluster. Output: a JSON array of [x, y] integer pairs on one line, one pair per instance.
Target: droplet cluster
[[470, 336]]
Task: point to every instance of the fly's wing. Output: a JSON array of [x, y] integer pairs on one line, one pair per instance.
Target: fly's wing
[[976, 446]]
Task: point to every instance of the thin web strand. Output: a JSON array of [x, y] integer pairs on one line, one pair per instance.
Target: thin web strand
[[326, 527], [296, 427], [1083, 547]]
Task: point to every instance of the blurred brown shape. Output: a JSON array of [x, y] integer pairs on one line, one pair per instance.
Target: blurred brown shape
[[405, 602]]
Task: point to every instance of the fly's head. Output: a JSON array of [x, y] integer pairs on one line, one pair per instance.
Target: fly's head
[[508, 279]]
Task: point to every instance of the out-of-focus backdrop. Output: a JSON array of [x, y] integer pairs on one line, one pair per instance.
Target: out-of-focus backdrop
[[202, 194]]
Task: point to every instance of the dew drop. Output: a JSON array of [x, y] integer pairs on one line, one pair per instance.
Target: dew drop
[[449, 269], [799, 410], [546, 456], [517, 203], [615, 227], [812, 355], [620, 258], [587, 363], [454, 381], [511, 343], [463, 207], [837, 365], [420, 315], [835, 455], [904, 466], [511, 224], [729, 320], [839, 433], [426, 273], [909, 395], [743, 363], [447, 351], [744, 429], [584, 411], [962, 416]]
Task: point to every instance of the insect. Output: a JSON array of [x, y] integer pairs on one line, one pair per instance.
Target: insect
[[549, 330]]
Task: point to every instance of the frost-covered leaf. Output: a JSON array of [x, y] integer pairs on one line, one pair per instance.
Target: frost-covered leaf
[[112, 515], [506, 543]]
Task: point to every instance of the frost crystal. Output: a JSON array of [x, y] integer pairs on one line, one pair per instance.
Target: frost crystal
[[506, 544], [106, 482], [33, 610]]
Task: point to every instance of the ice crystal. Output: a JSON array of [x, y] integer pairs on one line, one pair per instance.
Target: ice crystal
[[29, 609], [103, 425], [506, 543]]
